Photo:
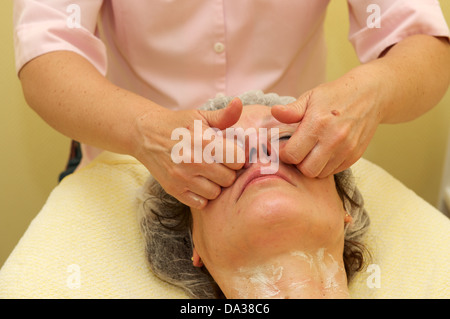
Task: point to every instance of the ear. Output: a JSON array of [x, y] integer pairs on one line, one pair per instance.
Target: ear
[[196, 260]]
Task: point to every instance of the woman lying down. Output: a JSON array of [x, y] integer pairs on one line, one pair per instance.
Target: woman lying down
[[278, 236]]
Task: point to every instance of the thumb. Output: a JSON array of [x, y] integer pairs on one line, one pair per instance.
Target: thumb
[[225, 117], [292, 112]]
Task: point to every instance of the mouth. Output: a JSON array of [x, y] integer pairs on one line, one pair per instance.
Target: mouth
[[255, 176]]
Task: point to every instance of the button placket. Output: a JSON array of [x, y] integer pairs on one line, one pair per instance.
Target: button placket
[[219, 47]]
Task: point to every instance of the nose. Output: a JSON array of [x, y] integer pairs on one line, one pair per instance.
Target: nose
[[257, 150]]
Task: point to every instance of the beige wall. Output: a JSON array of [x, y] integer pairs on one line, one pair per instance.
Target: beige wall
[[413, 152], [33, 154]]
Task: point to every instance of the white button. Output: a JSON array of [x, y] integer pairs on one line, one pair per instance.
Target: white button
[[219, 47]]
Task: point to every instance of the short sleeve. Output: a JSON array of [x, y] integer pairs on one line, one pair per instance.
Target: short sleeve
[[57, 25], [377, 24]]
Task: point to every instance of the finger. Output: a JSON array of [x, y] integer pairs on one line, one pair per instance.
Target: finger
[[344, 157], [203, 187], [332, 167], [315, 162], [343, 166], [225, 117], [298, 147], [292, 112], [233, 154], [348, 162], [223, 150], [192, 200], [219, 174]]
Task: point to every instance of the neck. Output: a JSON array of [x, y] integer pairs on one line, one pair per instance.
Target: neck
[[296, 275]]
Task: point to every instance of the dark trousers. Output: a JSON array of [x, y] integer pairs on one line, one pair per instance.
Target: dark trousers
[[74, 160]]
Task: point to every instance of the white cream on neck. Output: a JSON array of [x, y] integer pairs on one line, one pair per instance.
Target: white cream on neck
[[325, 269], [260, 281], [266, 281]]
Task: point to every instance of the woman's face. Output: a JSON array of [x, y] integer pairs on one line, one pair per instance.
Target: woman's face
[[262, 215]]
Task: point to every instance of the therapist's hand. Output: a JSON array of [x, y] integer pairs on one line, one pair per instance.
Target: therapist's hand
[[191, 183], [336, 122]]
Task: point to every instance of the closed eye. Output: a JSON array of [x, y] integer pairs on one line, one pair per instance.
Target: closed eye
[[284, 138]]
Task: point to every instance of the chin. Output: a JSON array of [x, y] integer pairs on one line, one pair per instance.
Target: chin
[[281, 218], [272, 208]]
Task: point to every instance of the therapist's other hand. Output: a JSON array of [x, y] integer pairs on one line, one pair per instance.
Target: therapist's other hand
[[336, 120], [191, 183]]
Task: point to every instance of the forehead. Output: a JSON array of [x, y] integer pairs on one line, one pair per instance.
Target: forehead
[[257, 116]]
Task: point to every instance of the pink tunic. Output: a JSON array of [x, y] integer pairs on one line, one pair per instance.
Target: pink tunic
[[180, 53]]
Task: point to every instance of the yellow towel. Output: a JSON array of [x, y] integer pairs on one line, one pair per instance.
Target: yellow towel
[[85, 242]]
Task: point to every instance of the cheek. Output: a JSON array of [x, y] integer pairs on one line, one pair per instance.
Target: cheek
[[326, 199], [212, 230], [329, 218], [322, 193]]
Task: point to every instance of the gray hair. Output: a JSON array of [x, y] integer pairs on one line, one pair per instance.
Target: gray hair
[[166, 223]]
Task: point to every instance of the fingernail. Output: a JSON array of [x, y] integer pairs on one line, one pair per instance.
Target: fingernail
[[199, 202]]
